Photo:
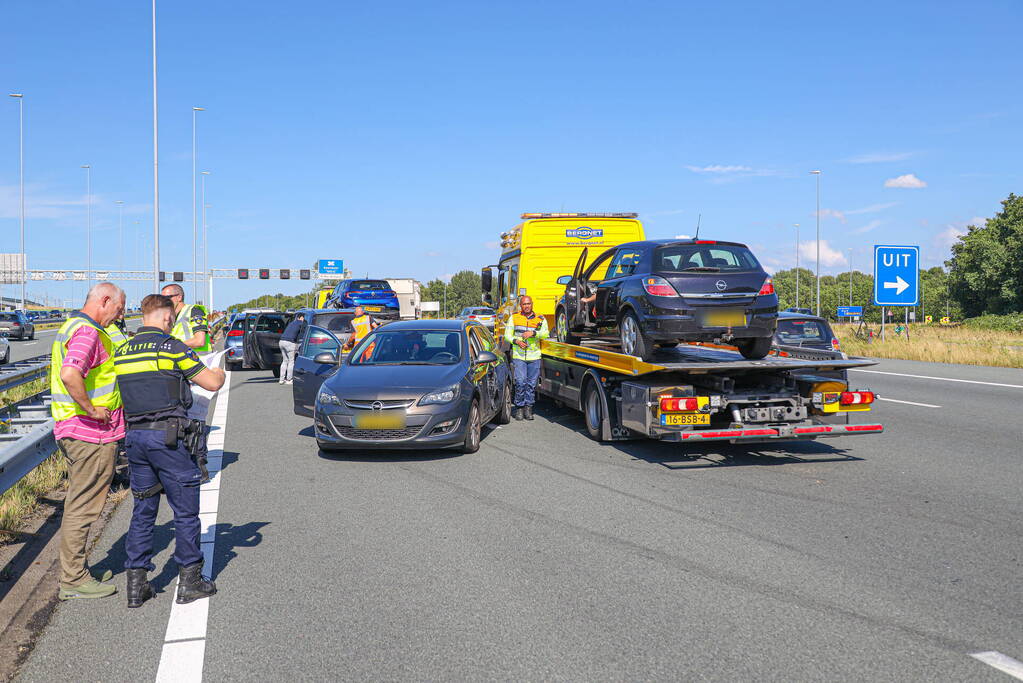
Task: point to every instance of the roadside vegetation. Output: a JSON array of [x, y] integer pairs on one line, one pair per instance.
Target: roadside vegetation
[[963, 344]]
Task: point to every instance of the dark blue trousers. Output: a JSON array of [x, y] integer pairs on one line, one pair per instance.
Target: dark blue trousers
[[526, 373], [150, 461]]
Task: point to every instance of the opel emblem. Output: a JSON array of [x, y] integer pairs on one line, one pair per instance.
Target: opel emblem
[[377, 405], [721, 285]]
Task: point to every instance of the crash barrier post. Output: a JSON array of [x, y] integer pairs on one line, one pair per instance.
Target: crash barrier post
[[29, 439]]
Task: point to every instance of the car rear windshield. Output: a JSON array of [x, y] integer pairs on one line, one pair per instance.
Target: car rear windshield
[[241, 323], [679, 258], [800, 331], [367, 285], [481, 311], [409, 347], [335, 322], [9, 317], [268, 323]]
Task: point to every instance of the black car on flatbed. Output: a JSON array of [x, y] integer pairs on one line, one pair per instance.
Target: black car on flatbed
[[658, 293]]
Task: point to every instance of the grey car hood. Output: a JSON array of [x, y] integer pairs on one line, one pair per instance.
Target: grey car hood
[[370, 382]]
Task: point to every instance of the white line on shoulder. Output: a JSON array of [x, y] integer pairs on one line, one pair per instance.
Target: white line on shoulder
[[945, 379], [1003, 663], [909, 403]]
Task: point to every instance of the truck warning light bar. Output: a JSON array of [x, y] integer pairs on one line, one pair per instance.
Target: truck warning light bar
[[580, 215]]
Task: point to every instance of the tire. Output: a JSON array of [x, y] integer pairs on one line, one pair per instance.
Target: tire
[[593, 412], [634, 341], [754, 349], [276, 370], [504, 415], [33, 334], [7, 357], [561, 328], [472, 429]]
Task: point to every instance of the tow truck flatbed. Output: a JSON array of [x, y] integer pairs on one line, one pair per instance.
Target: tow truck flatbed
[[701, 392]]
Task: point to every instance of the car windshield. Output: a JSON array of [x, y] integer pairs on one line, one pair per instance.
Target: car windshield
[[800, 331], [367, 285], [409, 347], [335, 322], [267, 323], [680, 258]]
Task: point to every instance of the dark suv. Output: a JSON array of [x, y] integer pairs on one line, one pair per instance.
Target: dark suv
[[662, 292]]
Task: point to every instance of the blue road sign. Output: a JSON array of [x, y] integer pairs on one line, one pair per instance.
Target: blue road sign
[[849, 311], [331, 267], [896, 275]]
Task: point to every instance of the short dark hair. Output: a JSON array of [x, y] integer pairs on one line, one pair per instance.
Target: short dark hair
[[154, 302]]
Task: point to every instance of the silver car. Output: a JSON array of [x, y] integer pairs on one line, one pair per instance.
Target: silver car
[[17, 325], [5, 349], [482, 314]]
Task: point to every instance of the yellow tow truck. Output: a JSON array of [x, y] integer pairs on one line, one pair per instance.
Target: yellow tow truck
[[690, 393]]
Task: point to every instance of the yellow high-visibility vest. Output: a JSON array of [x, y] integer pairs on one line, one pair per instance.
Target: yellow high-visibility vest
[[183, 327], [100, 383]]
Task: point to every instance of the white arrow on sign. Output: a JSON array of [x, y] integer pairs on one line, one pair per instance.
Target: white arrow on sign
[[899, 285]]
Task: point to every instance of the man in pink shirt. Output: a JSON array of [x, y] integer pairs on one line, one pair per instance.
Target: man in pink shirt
[[89, 421]]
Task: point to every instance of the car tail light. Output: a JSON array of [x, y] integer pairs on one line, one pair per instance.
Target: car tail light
[[658, 286], [235, 333], [472, 317], [852, 398], [767, 288], [670, 405], [835, 344]]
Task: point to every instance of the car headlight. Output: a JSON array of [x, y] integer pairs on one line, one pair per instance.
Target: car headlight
[[445, 396], [327, 397]]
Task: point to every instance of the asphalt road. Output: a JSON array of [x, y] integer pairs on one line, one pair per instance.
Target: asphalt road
[[548, 556]]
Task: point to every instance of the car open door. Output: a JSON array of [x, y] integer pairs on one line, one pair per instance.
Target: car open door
[[308, 375], [573, 293]]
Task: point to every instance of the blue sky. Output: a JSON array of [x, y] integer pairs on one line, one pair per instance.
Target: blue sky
[[405, 136]]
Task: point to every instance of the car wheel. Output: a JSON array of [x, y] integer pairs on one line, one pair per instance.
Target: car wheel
[[561, 328], [33, 336], [634, 341], [472, 429], [593, 412], [504, 415], [276, 371], [7, 357], [754, 349]]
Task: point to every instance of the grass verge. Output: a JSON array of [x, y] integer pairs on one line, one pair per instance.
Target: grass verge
[[960, 345]]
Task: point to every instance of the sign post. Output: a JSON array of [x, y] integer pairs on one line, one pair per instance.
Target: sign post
[[896, 277]]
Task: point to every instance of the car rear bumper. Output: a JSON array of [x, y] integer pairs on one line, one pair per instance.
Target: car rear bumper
[[761, 323]]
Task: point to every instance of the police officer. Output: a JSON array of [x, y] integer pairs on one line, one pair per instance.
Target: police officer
[[524, 331], [153, 372]]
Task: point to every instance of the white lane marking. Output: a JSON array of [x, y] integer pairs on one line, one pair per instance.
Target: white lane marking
[[909, 403], [945, 379], [1003, 663], [184, 644]]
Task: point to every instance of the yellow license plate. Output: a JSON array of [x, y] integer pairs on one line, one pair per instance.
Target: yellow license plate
[[678, 419], [390, 419], [374, 308], [725, 318]]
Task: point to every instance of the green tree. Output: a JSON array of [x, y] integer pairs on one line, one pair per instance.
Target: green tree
[[463, 290], [986, 268]]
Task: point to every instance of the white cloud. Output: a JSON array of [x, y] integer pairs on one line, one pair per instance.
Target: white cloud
[[829, 256], [879, 158], [832, 213], [868, 227], [873, 208], [953, 231], [718, 168], [908, 181]]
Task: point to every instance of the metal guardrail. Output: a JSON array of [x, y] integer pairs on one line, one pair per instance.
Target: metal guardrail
[[29, 440], [23, 371]]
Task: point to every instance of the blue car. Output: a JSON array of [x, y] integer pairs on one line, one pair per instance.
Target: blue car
[[375, 296]]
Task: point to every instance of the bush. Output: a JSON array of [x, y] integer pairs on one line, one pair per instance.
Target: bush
[[1002, 323]]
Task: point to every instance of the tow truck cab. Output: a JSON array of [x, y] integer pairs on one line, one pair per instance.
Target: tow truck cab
[[542, 248]]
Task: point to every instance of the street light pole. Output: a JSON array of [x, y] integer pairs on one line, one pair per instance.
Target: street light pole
[[850, 277], [120, 234], [205, 259], [195, 220], [21, 182], [88, 223], [818, 174], [156, 172], [797, 264]]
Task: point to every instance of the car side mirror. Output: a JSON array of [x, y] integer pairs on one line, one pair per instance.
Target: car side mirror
[[325, 358], [565, 279], [486, 357], [486, 279]]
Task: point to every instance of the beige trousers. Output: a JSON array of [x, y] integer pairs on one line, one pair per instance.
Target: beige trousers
[[90, 470]]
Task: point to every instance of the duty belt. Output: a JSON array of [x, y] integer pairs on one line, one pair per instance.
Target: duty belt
[[157, 425]]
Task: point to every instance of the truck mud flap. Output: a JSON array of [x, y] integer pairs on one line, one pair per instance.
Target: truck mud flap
[[771, 433]]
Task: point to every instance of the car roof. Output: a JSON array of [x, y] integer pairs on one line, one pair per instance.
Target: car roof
[[427, 324], [790, 315], [317, 311], [678, 241]]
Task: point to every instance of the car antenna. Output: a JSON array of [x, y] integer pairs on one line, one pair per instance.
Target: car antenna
[[699, 218]]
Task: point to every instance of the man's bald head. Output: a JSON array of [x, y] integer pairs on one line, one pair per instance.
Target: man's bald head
[[104, 303], [173, 290], [526, 304]]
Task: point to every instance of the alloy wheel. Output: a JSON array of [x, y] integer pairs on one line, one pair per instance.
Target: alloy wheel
[[629, 334]]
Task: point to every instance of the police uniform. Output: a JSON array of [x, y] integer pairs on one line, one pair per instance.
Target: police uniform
[[153, 373]]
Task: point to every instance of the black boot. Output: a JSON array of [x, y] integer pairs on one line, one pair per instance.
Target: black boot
[[517, 413], [527, 413], [192, 585], [139, 589]]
